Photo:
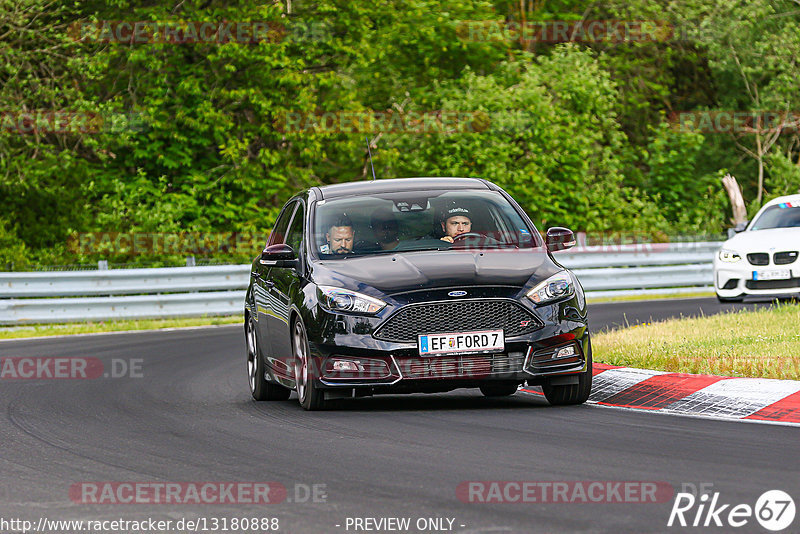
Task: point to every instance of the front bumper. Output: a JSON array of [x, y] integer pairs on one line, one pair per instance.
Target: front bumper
[[734, 280], [386, 367]]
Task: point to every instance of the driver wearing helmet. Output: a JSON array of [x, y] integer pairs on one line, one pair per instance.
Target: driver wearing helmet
[[456, 221]]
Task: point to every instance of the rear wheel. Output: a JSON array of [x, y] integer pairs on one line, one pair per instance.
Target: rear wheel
[[572, 393], [499, 390], [261, 388], [310, 397]]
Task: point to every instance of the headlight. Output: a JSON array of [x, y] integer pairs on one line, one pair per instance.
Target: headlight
[[558, 287], [728, 256], [342, 300]]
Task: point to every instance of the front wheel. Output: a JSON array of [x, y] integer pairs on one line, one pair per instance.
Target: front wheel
[[572, 393], [311, 398], [260, 387]]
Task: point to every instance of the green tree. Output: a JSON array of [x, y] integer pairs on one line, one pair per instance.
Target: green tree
[[552, 141]]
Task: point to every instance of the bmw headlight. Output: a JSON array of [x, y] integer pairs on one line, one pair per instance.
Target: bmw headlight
[[343, 300], [728, 256], [560, 286]]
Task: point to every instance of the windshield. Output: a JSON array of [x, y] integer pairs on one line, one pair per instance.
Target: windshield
[[786, 215], [426, 220]]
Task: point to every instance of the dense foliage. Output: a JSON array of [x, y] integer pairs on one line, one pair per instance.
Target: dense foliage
[[202, 137]]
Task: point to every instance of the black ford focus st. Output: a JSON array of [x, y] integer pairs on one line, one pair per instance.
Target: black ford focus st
[[413, 285]]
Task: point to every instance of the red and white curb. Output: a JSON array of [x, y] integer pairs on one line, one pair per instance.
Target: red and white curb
[[718, 397]]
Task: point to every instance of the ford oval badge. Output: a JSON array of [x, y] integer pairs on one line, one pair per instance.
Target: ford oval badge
[[457, 293]]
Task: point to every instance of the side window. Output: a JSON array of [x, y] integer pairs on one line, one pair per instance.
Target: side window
[[278, 234], [294, 237]]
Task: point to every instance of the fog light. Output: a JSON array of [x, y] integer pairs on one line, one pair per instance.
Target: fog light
[[345, 366], [363, 368], [565, 352]]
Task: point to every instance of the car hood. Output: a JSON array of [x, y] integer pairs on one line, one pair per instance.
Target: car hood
[[395, 273], [780, 239]]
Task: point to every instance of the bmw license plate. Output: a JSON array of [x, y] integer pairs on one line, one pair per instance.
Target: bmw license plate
[[776, 274], [461, 343]]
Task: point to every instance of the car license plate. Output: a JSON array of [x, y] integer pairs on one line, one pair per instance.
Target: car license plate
[[461, 342], [777, 274]]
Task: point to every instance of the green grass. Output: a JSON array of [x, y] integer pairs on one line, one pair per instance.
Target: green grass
[[18, 332], [761, 343]]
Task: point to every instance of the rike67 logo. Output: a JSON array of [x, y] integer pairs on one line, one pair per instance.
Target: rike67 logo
[[774, 510]]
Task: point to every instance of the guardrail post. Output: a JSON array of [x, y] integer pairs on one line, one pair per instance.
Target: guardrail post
[[102, 265], [190, 261]]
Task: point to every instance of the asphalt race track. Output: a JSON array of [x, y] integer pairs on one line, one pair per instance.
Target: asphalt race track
[[186, 416], [622, 314]]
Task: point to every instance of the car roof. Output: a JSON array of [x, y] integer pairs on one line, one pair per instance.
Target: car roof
[[400, 185], [781, 200]]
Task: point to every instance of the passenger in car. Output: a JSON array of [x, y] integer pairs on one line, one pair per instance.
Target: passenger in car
[[385, 228]]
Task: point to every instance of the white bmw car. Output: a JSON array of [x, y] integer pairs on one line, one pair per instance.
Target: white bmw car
[[762, 260]]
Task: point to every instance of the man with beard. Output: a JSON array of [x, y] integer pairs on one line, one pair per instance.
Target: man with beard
[[340, 236]]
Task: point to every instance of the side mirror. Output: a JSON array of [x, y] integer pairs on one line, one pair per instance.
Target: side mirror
[[736, 229], [280, 255], [559, 238]]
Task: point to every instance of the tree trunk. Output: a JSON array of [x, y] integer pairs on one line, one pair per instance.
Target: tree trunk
[[760, 154], [737, 201]]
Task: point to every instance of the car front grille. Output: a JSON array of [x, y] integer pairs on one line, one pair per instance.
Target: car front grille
[[467, 366], [784, 258], [457, 316], [791, 283], [758, 258]]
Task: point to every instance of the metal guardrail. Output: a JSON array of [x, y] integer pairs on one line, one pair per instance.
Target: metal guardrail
[[124, 281], [642, 269], [67, 310], [639, 255], [159, 292], [56, 297]]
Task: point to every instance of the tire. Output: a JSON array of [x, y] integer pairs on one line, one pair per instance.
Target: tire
[[499, 390], [729, 299], [309, 396], [572, 393], [260, 388]]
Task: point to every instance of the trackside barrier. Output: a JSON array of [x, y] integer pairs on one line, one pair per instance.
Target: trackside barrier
[[124, 281], [69, 296], [643, 269], [67, 310]]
